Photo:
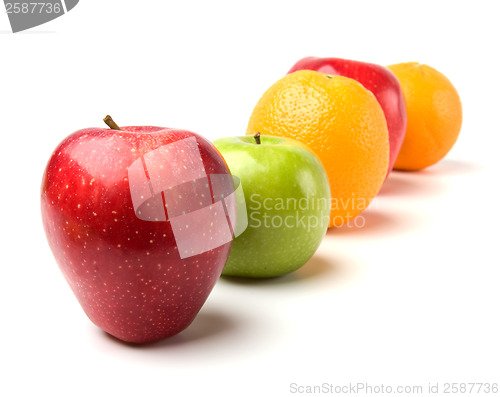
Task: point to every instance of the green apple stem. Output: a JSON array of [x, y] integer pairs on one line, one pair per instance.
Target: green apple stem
[[111, 123], [257, 137]]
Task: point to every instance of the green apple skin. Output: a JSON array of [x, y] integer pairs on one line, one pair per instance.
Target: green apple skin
[[287, 196]]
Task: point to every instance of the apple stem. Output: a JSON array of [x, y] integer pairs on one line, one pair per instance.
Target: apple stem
[[257, 137], [111, 123]]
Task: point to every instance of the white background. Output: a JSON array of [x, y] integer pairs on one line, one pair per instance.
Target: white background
[[410, 299]]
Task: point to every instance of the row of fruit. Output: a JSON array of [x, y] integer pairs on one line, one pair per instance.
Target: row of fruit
[[143, 221]]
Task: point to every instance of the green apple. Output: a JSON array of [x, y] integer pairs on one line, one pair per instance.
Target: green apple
[[287, 197]]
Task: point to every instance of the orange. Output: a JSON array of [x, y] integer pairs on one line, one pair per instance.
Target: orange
[[341, 122], [434, 115]]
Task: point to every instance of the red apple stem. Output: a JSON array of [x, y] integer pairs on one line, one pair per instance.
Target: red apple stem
[[111, 123], [257, 137]]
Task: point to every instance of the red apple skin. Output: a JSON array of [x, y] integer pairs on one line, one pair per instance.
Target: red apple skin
[[126, 273], [380, 81]]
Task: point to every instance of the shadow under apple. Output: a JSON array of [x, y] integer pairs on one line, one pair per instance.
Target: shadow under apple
[[316, 267], [208, 324]]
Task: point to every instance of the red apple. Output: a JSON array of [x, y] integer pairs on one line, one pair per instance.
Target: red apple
[[131, 218], [380, 81]]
